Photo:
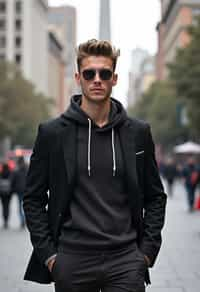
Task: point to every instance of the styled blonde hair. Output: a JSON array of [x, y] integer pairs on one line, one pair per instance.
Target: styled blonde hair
[[95, 47]]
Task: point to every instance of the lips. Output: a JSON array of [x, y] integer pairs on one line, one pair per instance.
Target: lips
[[96, 89]]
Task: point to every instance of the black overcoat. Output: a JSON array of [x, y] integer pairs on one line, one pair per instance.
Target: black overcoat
[[51, 178]]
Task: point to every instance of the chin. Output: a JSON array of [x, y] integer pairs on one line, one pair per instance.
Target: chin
[[98, 98]]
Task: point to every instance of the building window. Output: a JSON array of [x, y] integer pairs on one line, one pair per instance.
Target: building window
[[18, 6], [18, 24], [2, 24], [2, 42], [2, 6], [18, 59], [18, 42]]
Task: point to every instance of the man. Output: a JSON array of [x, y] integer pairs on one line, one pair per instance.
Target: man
[[99, 227], [191, 176], [170, 174], [18, 185]]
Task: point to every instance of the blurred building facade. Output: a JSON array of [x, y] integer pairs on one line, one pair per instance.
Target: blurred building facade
[[176, 16], [56, 72], [63, 21], [104, 23], [141, 75], [24, 39], [147, 74]]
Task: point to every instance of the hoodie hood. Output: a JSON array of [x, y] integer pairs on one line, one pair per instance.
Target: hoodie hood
[[116, 117]]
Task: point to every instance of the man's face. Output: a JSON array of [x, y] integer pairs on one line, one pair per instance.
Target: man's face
[[96, 78]]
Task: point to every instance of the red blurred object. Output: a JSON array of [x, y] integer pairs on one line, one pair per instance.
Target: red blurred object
[[12, 156], [11, 164], [197, 203]]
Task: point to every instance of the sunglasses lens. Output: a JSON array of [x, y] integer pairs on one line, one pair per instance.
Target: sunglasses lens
[[89, 74], [105, 74]]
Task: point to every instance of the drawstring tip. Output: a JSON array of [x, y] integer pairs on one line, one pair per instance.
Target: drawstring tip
[[114, 171], [89, 172]]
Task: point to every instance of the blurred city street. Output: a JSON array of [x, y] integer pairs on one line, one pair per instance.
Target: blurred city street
[[177, 268], [58, 70]]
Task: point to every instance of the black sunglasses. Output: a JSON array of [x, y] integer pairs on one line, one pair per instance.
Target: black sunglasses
[[104, 74]]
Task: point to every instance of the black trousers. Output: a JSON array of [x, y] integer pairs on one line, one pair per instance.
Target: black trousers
[[111, 271]]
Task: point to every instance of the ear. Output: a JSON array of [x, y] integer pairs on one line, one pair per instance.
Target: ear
[[115, 78], [77, 78]]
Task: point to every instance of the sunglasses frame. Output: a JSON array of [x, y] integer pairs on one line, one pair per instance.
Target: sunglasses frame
[[95, 71]]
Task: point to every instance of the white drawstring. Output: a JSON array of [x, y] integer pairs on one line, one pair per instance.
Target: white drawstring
[[113, 150], [89, 146]]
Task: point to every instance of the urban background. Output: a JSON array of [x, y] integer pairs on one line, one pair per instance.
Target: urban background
[[37, 66]]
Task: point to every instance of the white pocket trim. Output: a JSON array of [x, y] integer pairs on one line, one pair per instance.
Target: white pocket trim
[[140, 152]]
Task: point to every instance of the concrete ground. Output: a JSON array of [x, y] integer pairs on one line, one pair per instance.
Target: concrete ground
[[177, 268]]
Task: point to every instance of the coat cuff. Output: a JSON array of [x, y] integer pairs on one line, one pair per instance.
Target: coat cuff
[[150, 252]]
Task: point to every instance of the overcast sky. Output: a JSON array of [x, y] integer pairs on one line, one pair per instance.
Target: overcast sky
[[133, 24]]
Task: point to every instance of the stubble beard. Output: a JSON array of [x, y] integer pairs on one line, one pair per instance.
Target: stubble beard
[[96, 100]]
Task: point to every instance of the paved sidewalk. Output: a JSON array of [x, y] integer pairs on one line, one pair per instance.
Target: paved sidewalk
[[177, 268]]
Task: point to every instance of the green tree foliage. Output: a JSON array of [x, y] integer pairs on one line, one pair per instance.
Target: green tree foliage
[[21, 108], [158, 106], [185, 75]]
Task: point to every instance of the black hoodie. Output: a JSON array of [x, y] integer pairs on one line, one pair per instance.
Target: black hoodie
[[100, 216]]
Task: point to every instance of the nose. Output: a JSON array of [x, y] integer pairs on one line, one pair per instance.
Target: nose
[[97, 78]]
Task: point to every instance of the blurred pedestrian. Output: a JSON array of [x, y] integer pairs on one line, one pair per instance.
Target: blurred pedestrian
[[191, 178], [18, 186], [169, 173], [5, 193], [94, 201]]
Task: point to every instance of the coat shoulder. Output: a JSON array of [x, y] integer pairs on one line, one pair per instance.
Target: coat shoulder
[[138, 124], [52, 126]]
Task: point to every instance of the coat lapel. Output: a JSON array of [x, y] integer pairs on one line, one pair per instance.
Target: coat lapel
[[127, 138], [128, 148], [70, 151]]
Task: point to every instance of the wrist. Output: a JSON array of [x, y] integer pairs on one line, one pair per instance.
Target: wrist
[[50, 264]]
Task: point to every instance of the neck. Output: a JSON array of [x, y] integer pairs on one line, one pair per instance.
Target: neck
[[98, 112]]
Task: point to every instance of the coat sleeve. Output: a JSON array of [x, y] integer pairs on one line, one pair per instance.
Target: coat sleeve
[[35, 199], [154, 202]]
